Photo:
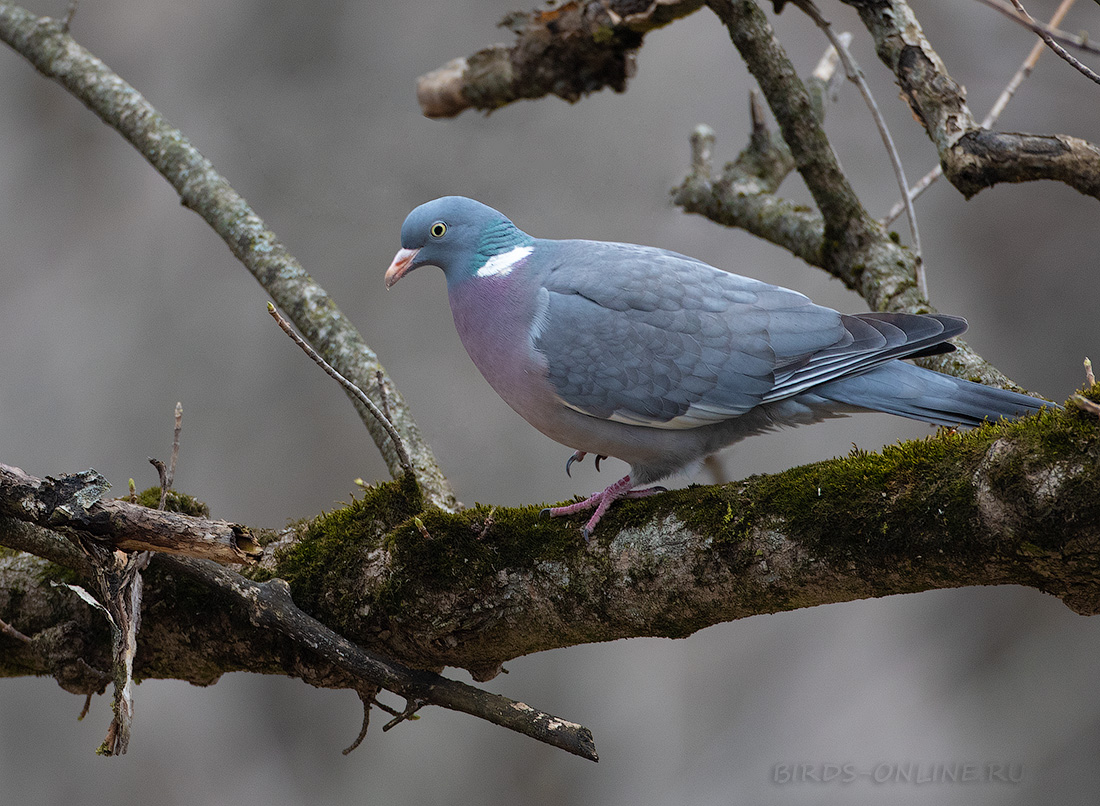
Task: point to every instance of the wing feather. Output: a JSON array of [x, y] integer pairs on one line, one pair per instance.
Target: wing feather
[[650, 337]]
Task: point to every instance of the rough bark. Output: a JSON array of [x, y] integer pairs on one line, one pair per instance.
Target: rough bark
[[1012, 503]]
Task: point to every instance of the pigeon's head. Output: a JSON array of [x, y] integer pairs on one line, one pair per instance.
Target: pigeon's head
[[463, 237]]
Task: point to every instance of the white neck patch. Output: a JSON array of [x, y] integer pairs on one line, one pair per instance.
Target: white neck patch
[[501, 265]]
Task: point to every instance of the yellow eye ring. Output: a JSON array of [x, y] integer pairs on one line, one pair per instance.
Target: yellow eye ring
[[438, 229]]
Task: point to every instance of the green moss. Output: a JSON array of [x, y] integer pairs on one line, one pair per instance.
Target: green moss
[[877, 509], [52, 572], [174, 502], [332, 546], [887, 513], [470, 547]]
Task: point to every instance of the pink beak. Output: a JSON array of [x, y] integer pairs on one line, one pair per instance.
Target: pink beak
[[400, 265]]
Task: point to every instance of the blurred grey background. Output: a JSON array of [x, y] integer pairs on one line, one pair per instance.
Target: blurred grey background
[[115, 302]]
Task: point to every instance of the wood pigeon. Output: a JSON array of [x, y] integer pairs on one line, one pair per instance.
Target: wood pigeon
[[659, 359]]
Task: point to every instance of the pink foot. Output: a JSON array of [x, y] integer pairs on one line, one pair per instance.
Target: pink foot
[[601, 501]]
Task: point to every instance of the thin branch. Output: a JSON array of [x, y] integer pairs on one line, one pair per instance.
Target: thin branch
[[1045, 35], [991, 118], [175, 446], [1020, 16], [269, 605], [67, 21], [57, 56], [855, 74], [367, 698], [973, 158], [377, 413], [11, 632], [1025, 68]]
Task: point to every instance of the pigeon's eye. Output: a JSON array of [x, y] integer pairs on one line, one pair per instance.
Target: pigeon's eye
[[437, 230]]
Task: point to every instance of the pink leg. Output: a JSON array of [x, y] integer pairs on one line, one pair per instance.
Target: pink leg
[[601, 501]]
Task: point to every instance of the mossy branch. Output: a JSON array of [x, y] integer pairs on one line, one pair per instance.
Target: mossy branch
[[1012, 503]]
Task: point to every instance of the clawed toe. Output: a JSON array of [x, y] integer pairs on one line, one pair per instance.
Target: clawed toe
[[600, 501]]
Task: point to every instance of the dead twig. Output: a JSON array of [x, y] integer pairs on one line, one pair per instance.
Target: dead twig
[[67, 20], [994, 115], [1085, 404], [398, 442], [367, 698], [11, 632], [1081, 43], [411, 707], [270, 606], [168, 474], [1046, 36], [855, 75]]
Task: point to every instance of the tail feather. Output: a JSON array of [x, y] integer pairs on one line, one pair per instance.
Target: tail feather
[[932, 397]]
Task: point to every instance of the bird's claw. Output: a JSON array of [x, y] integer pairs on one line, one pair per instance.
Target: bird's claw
[[578, 456]]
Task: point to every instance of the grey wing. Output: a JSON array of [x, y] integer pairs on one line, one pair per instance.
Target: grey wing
[[650, 337]]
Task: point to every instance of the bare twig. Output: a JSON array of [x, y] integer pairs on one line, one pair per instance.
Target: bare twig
[[11, 632], [412, 705], [167, 474], [1090, 379], [367, 698], [1081, 43], [87, 706], [1085, 404], [1025, 68], [855, 75], [994, 115], [269, 605], [175, 446], [67, 21], [398, 442], [1046, 36]]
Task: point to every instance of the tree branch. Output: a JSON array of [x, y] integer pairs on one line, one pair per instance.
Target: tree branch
[[56, 55], [973, 158], [1012, 503], [872, 263], [568, 49], [72, 504], [267, 606]]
